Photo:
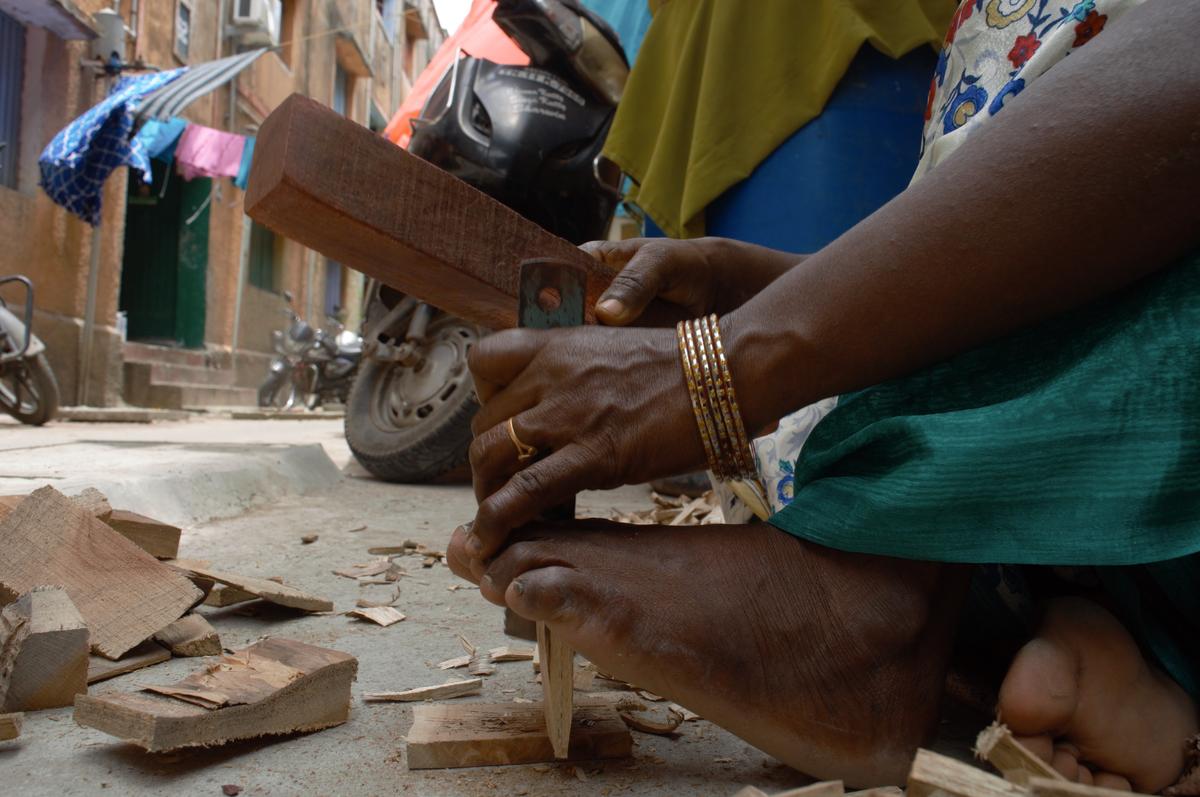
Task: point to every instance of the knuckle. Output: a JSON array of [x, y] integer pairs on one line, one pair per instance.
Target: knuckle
[[529, 482], [476, 452]]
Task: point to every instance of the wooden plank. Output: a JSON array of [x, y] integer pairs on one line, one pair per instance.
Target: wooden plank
[[1048, 787], [160, 540], [190, 635], [336, 187], [450, 689], [511, 653], [10, 726], [43, 651], [933, 773], [224, 595], [268, 590], [144, 655], [446, 735], [123, 593], [273, 687], [558, 687], [996, 745]]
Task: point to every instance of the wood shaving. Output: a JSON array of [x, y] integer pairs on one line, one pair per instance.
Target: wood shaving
[[671, 511]]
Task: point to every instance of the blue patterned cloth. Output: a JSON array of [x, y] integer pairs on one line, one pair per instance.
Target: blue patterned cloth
[[76, 163]]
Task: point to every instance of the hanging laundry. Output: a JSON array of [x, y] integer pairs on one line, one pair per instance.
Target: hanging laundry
[[243, 174], [204, 152], [159, 138], [80, 158]]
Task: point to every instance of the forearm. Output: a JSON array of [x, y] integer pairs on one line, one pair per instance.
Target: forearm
[[746, 269], [1087, 182]]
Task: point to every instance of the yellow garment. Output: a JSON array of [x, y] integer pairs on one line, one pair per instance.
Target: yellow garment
[[719, 84]]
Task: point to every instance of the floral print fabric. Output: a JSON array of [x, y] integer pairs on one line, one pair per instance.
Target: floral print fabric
[[994, 50]]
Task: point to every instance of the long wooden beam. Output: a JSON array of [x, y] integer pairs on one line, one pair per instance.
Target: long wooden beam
[[335, 187]]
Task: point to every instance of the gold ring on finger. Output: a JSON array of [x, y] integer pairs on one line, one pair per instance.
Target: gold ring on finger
[[524, 452]]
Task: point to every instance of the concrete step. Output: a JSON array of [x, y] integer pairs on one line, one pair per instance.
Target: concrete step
[[184, 396], [133, 352]]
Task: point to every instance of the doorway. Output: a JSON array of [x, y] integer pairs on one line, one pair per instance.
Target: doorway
[[164, 270]]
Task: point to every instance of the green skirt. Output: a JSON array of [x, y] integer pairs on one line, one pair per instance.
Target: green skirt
[[1075, 442]]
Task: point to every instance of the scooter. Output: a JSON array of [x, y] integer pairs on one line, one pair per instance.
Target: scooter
[[529, 137], [312, 366], [28, 389]]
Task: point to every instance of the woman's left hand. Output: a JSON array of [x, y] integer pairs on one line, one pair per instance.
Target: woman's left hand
[[602, 406]]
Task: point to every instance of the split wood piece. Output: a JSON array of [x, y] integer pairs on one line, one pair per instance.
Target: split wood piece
[[277, 686], [123, 593], [878, 791], [94, 502], [1012, 759], [932, 773], [1046, 787], [144, 655], [190, 635], [224, 595], [558, 687], [647, 724], [446, 735], [829, 788], [444, 691], [336, 187], [43, 651], [10, 726], [380, 615], [160, 540], [510, 653], [268, 590], [454, 663], [365, 570], [480, 663]]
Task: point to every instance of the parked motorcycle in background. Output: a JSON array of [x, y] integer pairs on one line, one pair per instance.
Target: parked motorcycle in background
[[312, 366], [529, 137], [28, 390]]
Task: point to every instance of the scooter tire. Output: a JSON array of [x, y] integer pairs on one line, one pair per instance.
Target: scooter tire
[[47, 388]]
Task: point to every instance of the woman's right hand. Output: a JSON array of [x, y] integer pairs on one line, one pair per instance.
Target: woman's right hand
[[701, 275]]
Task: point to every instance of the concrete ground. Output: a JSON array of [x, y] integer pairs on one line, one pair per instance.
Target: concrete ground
[[258, 532]]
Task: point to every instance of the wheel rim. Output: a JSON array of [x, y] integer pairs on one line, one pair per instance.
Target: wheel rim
[[409, 397], [18, 391]]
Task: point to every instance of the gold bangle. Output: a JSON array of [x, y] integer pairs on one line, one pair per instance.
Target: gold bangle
[[706, 434], [725, 467], [738, 459], [743, 439]]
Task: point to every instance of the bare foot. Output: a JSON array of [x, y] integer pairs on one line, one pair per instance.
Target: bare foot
[[1089, 703], [831, 662]]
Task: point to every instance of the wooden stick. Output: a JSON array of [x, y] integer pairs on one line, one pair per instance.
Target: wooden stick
[[932, 773], [1047, 787], [444, 691], [268, 590], [10, 726], [1012, 759], [190, 635], [445, 735], [558, 687]]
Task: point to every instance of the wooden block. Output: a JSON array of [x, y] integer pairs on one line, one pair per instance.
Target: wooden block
[[336, 187], [510, 653], [123, 593], [94, 502], [10, 726], [274, 687], [446, 735], [450, 689], [829, 788], [558, 687], [996, 745], [144, 655], [43, 651], [268, 590], [160, 540], [190, 635], [1061, 787], [225, 595], [932, 773]]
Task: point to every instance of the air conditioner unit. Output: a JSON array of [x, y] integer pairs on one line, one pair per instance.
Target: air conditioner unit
[[256, 22]]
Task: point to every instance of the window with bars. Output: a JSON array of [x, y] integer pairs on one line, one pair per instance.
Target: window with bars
[[12, 72]]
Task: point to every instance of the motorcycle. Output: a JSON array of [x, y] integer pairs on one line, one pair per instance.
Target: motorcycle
[[28, 389], [529, 137], [312, 366]]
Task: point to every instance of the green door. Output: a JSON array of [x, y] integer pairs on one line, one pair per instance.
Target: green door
[[163, 273]]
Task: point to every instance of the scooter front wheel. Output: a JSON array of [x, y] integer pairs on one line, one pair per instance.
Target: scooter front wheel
[[29, 391]]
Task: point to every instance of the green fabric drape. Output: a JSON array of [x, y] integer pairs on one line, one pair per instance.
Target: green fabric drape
[[719, 84], [1075, 442]]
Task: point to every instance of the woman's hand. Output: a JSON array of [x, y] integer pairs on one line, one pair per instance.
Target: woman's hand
[[702, 275], [603, 407]]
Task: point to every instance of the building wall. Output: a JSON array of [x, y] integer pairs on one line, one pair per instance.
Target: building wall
[[53, 248]]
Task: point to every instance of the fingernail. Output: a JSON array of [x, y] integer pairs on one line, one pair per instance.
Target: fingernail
[[474, 545], [518, 587], [463, 529], [487, 580], [612, 307]]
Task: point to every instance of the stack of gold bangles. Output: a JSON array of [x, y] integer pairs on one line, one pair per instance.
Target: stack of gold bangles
[[710, 385]]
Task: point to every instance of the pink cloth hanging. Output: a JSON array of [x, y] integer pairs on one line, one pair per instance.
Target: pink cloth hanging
[[204, 152]]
